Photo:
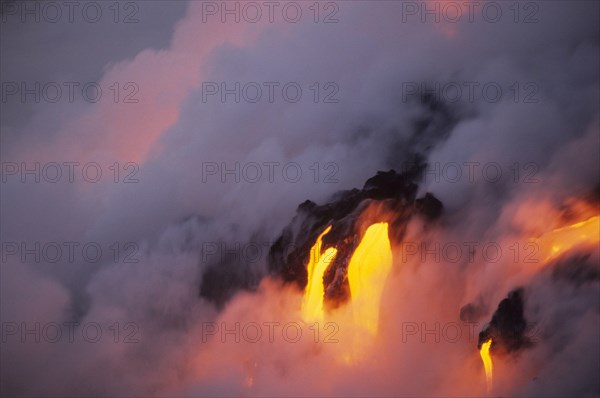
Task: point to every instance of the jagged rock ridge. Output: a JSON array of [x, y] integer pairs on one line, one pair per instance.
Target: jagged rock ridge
[[388, 196]]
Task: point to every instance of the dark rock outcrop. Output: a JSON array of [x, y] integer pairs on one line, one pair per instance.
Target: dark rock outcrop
[[508, 326], [386, 197]]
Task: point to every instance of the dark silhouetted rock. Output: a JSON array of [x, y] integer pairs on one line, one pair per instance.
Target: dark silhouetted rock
[[430, 206], [508, 326], [387, 197]]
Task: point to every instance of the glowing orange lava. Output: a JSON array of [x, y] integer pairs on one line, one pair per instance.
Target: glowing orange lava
[[561, 240], [312, 304], [487, 363], [368, 270]]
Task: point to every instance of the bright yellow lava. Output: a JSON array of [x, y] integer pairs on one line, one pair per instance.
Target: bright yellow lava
[[558, 241], [368, 269], [312, 304], [487, 363]]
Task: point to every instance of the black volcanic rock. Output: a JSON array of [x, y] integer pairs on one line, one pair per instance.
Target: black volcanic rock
[[387, 197], [407, 151], [430, 206], [508, 326]]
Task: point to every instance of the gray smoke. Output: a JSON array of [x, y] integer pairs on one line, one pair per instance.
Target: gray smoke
[[185, 214]]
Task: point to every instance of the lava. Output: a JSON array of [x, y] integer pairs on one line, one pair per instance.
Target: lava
[[561, 240], [487, 363], [368, 270], [312, 304]]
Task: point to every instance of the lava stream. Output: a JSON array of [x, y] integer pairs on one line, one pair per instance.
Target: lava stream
[[487, 363]]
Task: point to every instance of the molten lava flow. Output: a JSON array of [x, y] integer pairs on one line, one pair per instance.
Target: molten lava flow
[[487, 363], [367, 272], [312, 304], [558, 241], [368, 269]]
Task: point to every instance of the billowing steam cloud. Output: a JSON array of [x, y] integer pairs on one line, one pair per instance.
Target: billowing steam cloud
[[213, 180]]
